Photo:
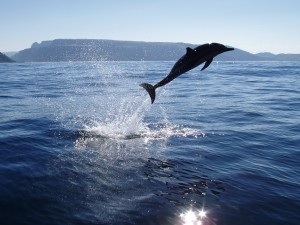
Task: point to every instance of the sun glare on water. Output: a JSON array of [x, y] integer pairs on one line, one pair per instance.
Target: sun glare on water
[[191, 217]]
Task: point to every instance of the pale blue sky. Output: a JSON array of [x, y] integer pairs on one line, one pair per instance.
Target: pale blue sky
[[252, 25]]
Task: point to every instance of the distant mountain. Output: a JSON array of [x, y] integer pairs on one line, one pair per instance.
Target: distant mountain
[[4, 58], [279, 57], [267, 55], [110, 50], [99, 50], [9, 54], [238, 55]]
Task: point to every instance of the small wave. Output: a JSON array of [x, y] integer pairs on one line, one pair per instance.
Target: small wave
[[182, 182]]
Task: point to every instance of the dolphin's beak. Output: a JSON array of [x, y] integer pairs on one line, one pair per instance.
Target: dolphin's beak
[[229, 49]]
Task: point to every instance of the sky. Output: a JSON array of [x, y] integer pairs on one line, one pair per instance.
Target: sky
[[254, 26]]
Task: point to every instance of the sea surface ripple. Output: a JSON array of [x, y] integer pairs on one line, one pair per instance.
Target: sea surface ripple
[[80, 143]]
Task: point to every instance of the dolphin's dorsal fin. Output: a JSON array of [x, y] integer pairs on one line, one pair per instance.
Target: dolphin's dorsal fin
[[208, 62], [190, 51]]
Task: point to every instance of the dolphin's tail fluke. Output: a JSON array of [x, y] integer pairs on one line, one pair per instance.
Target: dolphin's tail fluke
[[150, 89]]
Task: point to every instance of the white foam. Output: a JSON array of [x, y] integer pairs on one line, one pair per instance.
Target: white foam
[[131, 126], [128, 121], [125, 122]]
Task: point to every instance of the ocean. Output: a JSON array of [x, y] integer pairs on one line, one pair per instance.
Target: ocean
[[80, 143]]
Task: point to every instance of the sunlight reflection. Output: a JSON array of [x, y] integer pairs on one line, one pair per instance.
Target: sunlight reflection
[[192, 217]]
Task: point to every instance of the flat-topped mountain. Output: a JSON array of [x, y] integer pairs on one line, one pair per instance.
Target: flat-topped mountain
[[99, 50], [111, 50]]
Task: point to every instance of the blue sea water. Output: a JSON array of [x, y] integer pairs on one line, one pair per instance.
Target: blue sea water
[[80, 143]]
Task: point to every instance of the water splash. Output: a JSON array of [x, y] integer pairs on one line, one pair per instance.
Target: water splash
[[125, 123], [129, 122], [111, 105]]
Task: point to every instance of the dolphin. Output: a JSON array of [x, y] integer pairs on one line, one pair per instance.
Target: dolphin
[[191, 59]]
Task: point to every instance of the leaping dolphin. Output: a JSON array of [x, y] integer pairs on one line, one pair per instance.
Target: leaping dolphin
[[191, 59]]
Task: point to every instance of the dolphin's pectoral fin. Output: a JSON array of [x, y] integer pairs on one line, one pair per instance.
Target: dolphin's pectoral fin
[[190, 51], [208, 62]]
